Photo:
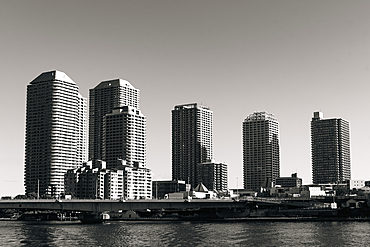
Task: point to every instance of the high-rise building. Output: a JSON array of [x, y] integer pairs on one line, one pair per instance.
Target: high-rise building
[[261, 151], [103, 99], [192, 126], [124, 136], [213, 175], [330, 150], [55, 132]]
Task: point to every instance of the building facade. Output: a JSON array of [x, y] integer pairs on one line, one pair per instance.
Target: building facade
[[98, 182], [114, 181], [137, 181], [213, 175], [124, 136], [103, 99], [289, 182], [55, 132], [261, 150], [162, 188], [86, 182], [192, 140], [330, 150], [356, 184]]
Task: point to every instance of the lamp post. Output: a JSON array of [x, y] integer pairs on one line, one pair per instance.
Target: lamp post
[[237, 187], [38, 189]]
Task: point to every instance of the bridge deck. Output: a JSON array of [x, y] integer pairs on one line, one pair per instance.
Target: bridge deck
[[115, 206]]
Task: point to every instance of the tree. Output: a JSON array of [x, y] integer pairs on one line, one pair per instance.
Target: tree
[[20, 197]]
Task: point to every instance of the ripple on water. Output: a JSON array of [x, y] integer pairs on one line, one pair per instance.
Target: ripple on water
[[13, 233]]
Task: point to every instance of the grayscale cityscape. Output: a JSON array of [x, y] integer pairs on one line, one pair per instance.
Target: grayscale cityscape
[[103, 155], [185, 123]]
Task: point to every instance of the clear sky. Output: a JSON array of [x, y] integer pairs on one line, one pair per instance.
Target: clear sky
[[289, 58]]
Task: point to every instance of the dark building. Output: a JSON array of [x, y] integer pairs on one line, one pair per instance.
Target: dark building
[[213, 175], [289, 182], [124, 136], [261, 152], [330, 150], [161, 188], [192, 126]]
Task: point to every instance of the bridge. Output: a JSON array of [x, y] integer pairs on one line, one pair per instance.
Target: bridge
[[116, 206], [142, 205]]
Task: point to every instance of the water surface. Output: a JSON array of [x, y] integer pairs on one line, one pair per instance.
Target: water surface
[[16, 233]]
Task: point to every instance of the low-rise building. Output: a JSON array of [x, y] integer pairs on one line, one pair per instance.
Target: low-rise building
[[316, 191], [86, 182], [289, 182], [137, 180], [162, 188], [201, 192], [113, 184], [122, 182], [356, 184]]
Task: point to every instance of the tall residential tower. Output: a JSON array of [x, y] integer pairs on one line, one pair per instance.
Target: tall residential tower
[[103, 99], [124, 136], [261, 152], [192, 130], [55, 132], [330, 150]]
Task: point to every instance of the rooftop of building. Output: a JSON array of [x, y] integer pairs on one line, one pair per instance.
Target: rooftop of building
[[191, 105], [169, 181], [201, 188], [319, 115], [260, 116], [126, 110], [294, 176], [211, 161], [115, 83], [54, 75]]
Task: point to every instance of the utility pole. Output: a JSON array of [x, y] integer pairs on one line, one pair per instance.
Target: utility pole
[[237, 187], [38, 189]]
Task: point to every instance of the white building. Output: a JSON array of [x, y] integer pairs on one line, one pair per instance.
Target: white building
[[55, 132], [114, 184], [316, 191], [356, 184], [137, 180]]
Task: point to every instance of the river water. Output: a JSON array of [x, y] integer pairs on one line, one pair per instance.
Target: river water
[[121, 233]]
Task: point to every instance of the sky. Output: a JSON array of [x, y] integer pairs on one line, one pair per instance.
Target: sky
[[287, 57]]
